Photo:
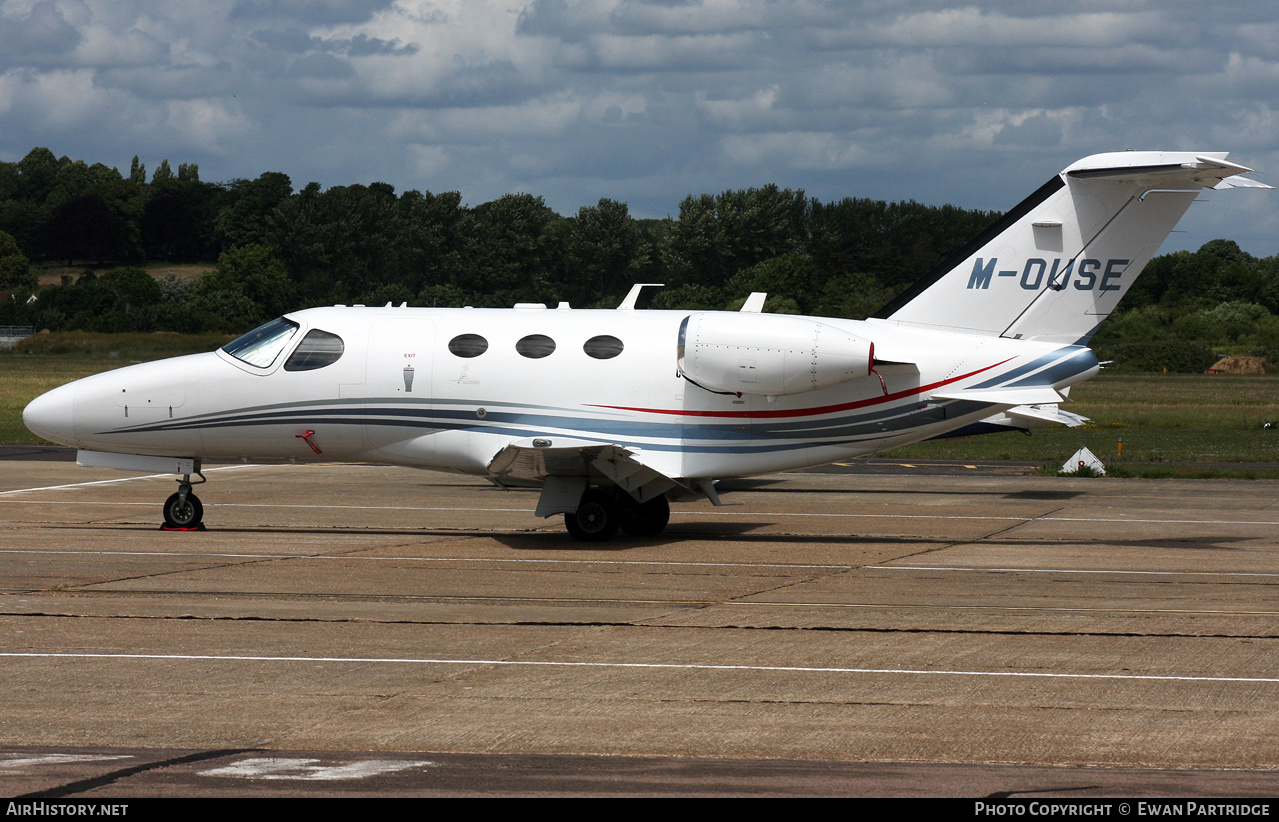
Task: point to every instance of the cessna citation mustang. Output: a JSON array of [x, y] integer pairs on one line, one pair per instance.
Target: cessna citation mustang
[[615, 412]]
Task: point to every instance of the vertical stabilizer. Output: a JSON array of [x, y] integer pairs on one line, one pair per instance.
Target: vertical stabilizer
[[1056, 265]]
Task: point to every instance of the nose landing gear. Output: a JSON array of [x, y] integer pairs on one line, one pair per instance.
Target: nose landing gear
[[183, 511]]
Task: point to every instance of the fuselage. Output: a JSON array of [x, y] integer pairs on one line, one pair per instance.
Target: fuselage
[[447, 389]]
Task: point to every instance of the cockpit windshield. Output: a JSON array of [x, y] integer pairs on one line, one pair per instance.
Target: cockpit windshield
[[262, 345]]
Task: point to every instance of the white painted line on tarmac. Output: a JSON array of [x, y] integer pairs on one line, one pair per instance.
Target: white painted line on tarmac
[[672, 666], [209, 506], [36, 760], [1067, 571], [699, 514], [202, 555], [276, 767]]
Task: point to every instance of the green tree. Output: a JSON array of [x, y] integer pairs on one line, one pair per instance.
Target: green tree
[[15, 270], [896, 243], [177, 220], [341, 243], [248, 286], [90, 229], [717, 236], [162, 173], [37, 175], [854, 296], [603, 251], [517, 253], [786, 278], [243, 219], [436, 233]]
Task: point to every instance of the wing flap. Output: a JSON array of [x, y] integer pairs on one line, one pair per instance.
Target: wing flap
[[542, 459]]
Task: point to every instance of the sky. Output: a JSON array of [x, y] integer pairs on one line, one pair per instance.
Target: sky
[[649, 101]]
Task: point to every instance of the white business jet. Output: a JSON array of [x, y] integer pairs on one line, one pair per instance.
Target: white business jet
[[614, 413]]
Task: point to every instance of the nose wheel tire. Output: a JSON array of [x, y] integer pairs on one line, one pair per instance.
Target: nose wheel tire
[[183, 513], [595, 519]]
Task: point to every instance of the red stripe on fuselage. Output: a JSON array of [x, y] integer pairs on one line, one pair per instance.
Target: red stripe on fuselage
[[807, 412]]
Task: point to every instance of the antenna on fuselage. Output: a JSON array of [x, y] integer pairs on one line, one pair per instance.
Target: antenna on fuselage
[[632, 297], [755, 302]]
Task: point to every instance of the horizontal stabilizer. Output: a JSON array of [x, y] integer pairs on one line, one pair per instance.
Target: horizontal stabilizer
[[1048, 414], [1033, 395], [1241, 182]]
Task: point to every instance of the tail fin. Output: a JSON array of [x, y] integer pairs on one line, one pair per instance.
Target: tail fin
[[1056, 265]]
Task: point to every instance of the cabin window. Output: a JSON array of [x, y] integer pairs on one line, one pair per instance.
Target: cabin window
[[317, 349], [535, 346], [603, 347], [468, 345], [262, 345]]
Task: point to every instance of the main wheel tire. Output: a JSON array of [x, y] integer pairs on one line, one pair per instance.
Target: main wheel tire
[[646, 519], [183, 514], [595, 519]]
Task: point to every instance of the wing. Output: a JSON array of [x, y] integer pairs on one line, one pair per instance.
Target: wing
[[564, 466]]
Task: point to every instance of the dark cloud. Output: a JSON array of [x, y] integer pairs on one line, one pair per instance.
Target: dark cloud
[[320, 67], [313, 12], [39, 36], [362, 46], [294, 40]]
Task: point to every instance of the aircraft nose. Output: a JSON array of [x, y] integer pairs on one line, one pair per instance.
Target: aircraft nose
[[51, 415]]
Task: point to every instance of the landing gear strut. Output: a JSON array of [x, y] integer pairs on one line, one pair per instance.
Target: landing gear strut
[[183, 511]]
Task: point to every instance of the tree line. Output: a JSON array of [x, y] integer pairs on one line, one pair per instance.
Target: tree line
[[273, 249]]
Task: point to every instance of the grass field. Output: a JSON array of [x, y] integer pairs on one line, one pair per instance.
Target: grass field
[[1162, 418], [53, 275]]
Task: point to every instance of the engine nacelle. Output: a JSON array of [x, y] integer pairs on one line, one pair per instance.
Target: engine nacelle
[[769, 354]]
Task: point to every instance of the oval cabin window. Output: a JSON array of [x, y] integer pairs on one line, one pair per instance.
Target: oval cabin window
[[535, 346], [468, 345], [603, 347]]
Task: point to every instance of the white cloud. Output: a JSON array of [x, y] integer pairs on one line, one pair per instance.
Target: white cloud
[[100, 46], [795, 150]]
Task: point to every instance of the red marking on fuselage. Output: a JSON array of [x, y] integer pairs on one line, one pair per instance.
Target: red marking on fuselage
[[808, 412]]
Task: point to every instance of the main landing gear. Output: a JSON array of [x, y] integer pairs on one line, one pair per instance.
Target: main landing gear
[[183, 511], [602, 513]]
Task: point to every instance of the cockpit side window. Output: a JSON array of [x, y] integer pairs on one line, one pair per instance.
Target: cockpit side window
[[262, 345], [317, 349]]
